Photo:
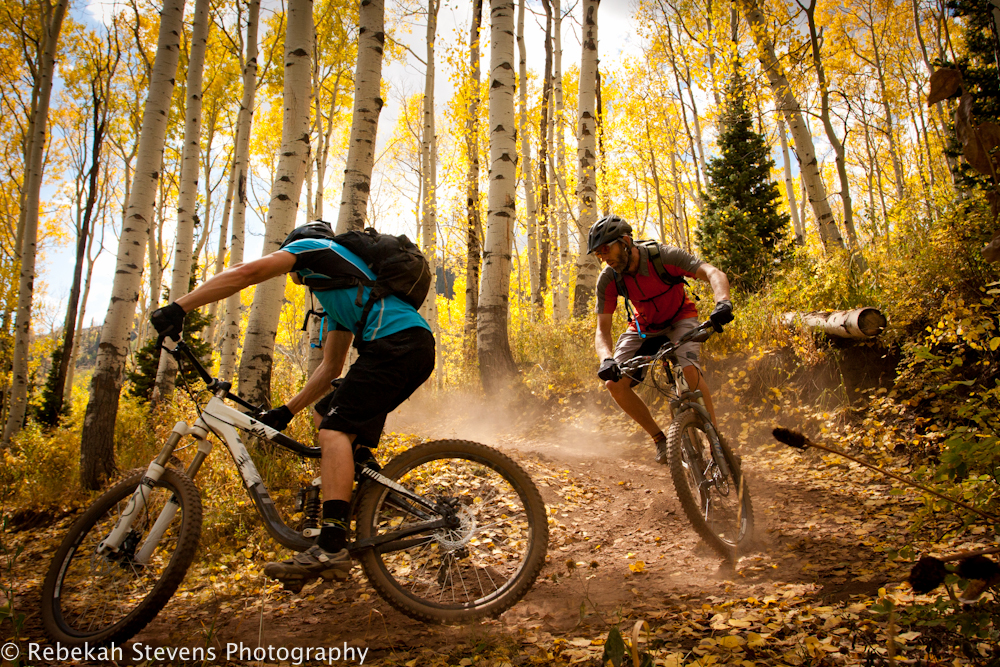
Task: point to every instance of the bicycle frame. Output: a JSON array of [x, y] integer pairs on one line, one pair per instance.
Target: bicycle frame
[[686, 398], [223, 420]]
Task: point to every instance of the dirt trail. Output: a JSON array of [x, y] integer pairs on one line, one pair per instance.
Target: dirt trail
[[620, 551]]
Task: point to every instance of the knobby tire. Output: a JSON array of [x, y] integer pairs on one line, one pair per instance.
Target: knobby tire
[[479, 569], [124, 595], [721, 536]]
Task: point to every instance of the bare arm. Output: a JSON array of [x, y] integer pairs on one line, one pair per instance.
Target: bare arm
[[334, 355], [716, 278], [602, 337], [236, 278]]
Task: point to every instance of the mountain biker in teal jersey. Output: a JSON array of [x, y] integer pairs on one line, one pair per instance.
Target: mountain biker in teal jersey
[[662, 309], [395, 356]]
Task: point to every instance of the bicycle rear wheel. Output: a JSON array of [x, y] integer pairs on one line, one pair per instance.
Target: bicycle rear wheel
[[480, 567], [88, 597], [717, 505]]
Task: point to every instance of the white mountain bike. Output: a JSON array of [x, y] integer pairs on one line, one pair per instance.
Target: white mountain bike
[[449, 531]]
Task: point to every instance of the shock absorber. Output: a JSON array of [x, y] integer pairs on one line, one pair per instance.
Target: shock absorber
[[312, 507]]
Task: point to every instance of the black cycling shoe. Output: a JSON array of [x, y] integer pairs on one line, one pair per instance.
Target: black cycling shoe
[[661, 451]]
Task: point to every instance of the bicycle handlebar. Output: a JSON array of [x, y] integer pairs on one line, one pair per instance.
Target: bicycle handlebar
[[700, 334], [181, 349]]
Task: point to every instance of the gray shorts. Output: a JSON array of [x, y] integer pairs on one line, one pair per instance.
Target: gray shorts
[[630, 344]]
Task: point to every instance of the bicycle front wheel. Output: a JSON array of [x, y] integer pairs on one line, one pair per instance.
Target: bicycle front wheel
[[478, 567], [717, 505], [95, 598]]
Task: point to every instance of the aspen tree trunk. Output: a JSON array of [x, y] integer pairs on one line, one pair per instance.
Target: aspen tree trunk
[[697, 147], [710, 32], [428, 152], [187, 198], [84, 238], [220, 253], [586, 156], [938, 120], [257, 359], [928, 160], [314, 211], [97, 442], [838, 146], [800, 234], [88, 276], [656, 185], [544, 203], [790, 109], [527, 171], [156, 264], [33, 185], [241, 174], [560, 294], [364, 123], [890, 130], [496, 363], [869, 170], [473, 223]]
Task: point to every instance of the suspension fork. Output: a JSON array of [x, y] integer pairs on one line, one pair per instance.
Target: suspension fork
[[694, 400], [137, 503]]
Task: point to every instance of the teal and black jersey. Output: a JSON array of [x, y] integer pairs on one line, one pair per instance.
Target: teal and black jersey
[[328, 259]]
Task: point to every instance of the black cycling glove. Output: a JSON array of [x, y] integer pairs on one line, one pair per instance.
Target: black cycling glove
[[609, 370], [168, 321], [278, 418], [723, 314]]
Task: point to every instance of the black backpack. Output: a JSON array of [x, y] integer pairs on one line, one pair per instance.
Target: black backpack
[[400, 268]]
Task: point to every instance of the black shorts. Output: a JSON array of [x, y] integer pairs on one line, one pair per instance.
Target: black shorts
[[387, 371]]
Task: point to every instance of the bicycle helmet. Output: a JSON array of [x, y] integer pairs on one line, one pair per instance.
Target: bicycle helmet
[[607, 229], [317, 229]]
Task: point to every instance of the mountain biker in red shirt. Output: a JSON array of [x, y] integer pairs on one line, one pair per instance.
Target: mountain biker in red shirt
[[662, 309]]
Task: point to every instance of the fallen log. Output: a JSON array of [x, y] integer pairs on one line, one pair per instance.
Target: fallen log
[[860, 323]]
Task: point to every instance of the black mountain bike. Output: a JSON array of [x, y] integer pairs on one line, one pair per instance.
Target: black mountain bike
[[706, 474], [448, 531]]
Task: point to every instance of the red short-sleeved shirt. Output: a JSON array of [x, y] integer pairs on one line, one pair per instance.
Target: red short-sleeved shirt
[[656, 303]]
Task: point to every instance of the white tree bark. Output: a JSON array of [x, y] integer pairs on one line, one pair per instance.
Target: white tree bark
[[527, 170], [97, 442], [804, 148], [473, 225], [428, 153], [560, 285], [364, 124], [223, 245], [85, 294], [29, 238], [496, 363], [241, 173], [262, 326], [586, 157], [187, 198], [800, 234]]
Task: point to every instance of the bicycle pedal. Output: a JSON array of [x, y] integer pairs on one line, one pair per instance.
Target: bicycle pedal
[[293, 586], [334, 574]]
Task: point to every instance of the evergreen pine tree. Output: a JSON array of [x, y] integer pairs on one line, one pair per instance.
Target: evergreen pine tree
[[741, 230], [47, 412]]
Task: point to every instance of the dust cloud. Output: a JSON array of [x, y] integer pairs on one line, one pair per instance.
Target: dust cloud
[[567, 431]]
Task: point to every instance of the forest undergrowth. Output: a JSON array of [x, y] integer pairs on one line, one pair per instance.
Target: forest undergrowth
[[923, 400]]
